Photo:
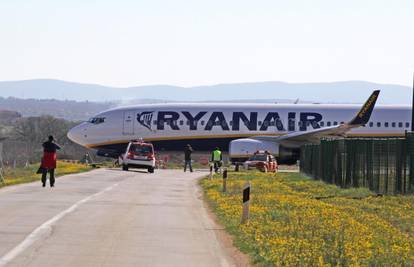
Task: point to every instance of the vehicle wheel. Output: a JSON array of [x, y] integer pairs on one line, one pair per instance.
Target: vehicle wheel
[[151, 170], [124, 167]]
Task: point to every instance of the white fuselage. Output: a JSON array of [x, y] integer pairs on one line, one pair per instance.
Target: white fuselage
[[173, 125]]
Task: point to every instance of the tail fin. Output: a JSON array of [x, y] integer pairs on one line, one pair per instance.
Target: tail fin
[[364, 114]]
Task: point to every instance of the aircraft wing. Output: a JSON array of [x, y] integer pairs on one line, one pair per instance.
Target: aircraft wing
[[297, 139]]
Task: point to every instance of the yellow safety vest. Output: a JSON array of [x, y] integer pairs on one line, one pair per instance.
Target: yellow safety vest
[[216, 155]]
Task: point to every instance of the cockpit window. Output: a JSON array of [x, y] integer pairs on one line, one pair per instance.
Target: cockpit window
[[97, 120]]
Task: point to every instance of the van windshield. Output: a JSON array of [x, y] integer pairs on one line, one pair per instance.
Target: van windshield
[[138, 149]]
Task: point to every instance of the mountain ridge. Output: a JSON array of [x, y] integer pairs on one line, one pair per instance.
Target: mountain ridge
[[353, 91]]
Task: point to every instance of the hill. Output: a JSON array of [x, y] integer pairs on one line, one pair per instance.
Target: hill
[[333, 92], [69, 110], [8, 116]]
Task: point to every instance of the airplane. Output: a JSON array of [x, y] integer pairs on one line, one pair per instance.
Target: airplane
[[241, 129]]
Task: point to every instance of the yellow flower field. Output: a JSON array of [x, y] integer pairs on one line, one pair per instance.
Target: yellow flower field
[[296, 221]]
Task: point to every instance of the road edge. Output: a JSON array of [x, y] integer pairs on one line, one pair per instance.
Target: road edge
[[226, 240]]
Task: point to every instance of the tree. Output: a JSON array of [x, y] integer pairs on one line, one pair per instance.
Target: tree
[[33, 131]]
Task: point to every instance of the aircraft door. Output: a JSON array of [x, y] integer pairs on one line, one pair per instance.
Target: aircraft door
[[128, 123]]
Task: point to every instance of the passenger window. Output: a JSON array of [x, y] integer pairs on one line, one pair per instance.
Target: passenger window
[[328, 123], [260, 123], [181, 122], [400, 124], [322, 123], [231, 123], [187, 122], [335, 123], [393, 124], [371, 124], [386, 124], [155, 122], [342, 122], [407, 125], [378, 124]]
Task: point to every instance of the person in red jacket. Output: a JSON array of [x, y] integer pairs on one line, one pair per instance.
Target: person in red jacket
[[49, 160]]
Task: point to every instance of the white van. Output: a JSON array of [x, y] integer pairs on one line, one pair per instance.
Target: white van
[[138, 155]]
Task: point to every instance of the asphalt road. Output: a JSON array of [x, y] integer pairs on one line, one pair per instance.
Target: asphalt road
[[109, 218]]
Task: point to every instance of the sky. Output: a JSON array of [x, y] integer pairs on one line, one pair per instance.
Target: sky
[[187, 43]]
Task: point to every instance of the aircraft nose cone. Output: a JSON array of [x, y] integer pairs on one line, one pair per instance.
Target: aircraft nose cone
[[75, 135]]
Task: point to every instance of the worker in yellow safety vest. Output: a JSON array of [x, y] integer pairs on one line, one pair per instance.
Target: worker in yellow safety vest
[[216, 158]]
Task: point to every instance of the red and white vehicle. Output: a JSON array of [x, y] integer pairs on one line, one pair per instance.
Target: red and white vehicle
[[263, 161], [138, 155]]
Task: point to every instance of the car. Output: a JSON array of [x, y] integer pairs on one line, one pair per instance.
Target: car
[[263, 161], [138, 155]]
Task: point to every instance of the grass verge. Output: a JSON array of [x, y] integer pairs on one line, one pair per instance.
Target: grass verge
[[28, 174], [296, 221]]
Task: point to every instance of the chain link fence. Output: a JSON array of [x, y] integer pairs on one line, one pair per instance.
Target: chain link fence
[[385, 166]]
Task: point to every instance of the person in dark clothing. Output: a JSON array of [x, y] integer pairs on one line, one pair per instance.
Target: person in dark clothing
[[49, 160], [187, 157]]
